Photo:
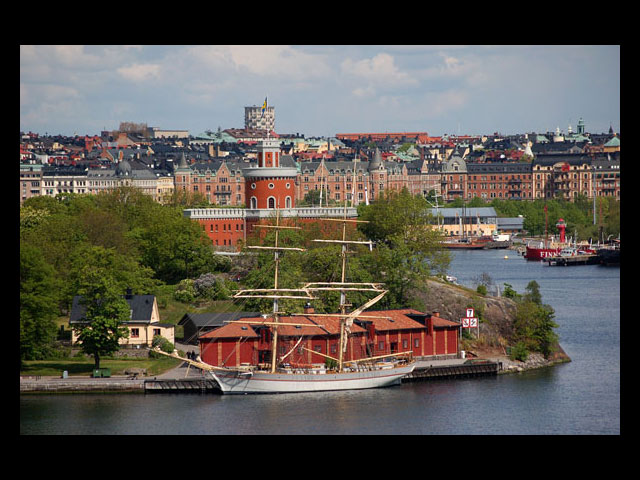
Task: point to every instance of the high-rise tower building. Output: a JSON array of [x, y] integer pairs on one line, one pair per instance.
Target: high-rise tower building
[[262, 117]]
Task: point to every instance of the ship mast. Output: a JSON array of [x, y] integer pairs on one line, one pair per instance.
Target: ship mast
[[304, 293], [294, 293], [346, 320]]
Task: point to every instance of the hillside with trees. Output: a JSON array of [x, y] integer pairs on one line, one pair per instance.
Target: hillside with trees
[[122, 237]]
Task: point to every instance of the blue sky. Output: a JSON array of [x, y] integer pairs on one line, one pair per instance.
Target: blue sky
[[321, 90]]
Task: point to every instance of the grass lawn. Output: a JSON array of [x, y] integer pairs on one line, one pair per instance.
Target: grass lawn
[[84, 366]]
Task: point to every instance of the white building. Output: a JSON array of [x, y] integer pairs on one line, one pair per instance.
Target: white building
[[255, 119]]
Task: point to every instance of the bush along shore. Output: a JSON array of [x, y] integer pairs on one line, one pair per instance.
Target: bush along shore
[[514, 329]]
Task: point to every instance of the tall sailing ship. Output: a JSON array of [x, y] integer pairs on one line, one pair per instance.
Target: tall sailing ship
[[343, 374]]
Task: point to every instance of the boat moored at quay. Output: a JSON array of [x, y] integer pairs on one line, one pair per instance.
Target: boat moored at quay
[[550, 248]]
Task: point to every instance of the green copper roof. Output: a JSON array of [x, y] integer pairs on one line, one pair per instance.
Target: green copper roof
[[614, 142]]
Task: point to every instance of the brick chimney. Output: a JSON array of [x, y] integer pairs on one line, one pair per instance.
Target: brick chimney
[[430, 322], [308, 308]]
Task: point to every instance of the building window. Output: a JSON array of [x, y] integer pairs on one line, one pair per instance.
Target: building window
[[254, 202], [271, 202], [287, 202], [135, 332]]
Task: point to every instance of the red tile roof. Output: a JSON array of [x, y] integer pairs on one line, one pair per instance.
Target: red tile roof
[[232, 330], [332, 325], [293, 331], [441, 322], [396, 320]]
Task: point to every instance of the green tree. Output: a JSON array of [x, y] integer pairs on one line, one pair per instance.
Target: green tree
[[106, 311], [262, 273], [533, 323], [175, 247], [39, 295], [533, 293], [408, 248], [123, 270], [312, 197], [509, 292]]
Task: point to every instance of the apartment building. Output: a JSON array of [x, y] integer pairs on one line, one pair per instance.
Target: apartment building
[[30, 181]]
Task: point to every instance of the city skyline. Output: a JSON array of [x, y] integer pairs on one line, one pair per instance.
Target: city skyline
[[321, 90]]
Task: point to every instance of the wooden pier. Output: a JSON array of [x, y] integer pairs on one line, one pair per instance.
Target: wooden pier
[[193, 385], [468, 369]]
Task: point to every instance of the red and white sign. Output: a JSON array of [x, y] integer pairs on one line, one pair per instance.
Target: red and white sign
[[470, 321]]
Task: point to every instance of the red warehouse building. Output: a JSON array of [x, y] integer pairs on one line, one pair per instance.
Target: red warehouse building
[[303, 345], [426, 335], [408, 329]]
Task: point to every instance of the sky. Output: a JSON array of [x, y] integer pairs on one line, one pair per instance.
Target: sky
[[321, 90]]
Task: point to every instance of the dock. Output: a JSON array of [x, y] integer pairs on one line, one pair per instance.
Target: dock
[[583, 259], [31, 384], [183, 385], [453, 369], [181, 380]]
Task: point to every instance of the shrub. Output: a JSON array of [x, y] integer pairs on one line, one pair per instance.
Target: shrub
[[164, 344], [211, 287], [509, 292], [519, 352], [185, 292]]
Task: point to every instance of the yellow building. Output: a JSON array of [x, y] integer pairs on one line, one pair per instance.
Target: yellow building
[[143, 325], [467, 221]]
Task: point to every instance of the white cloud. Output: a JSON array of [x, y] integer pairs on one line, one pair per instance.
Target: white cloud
[[380, 69], [140, 72], [367, 91], [278, 60], [370, 76]]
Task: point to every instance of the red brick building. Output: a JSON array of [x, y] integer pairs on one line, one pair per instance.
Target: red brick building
[[427, 335], [408, 329], [270, 185]]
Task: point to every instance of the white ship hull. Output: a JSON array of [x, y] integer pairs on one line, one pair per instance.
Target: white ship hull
[[242, 382]]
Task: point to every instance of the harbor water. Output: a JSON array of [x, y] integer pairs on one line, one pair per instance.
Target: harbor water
[[577, 398]]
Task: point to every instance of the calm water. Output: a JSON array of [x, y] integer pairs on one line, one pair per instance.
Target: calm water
[[581, 397]]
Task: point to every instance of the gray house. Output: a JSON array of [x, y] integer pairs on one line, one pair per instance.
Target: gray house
[[197, 324]]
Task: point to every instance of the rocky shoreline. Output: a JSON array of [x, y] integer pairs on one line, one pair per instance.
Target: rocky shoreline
[[451, 301]]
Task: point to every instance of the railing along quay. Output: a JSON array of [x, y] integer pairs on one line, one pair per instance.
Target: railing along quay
[[195, 385]]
